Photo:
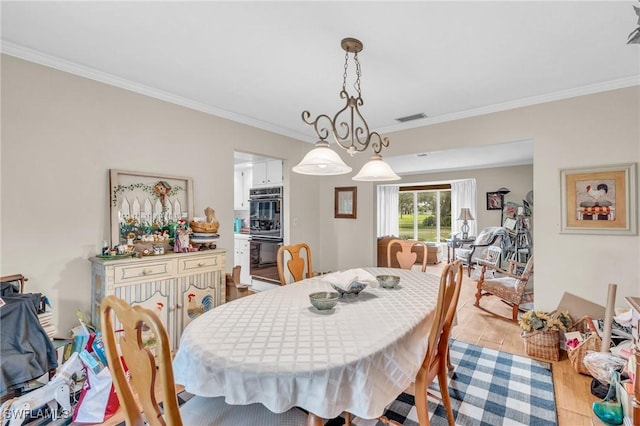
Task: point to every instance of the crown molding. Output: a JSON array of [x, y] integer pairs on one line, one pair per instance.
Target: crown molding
[[533, 100], [38, 57]]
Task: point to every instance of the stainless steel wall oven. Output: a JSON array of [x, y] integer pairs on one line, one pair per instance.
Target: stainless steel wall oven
[[265, 229], [265, 213], [262, 259]]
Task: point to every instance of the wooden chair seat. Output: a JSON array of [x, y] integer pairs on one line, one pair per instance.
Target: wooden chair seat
[[145, 368]]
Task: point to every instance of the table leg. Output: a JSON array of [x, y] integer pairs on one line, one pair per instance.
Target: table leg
[[313, 420]]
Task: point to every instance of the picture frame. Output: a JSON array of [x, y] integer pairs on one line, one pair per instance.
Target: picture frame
[[494, 201], [346, 202], [599, 200], [143, 203]]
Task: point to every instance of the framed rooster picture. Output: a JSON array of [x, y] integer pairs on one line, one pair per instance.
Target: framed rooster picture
[[599, 200]]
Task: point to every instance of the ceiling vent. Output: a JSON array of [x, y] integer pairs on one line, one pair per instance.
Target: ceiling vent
[[412, 117]]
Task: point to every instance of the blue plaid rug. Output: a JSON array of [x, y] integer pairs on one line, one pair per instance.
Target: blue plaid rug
[[488, 388]]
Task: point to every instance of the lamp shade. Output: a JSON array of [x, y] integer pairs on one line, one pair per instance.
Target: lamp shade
[[465, 214], [322, 161], [376, 170]]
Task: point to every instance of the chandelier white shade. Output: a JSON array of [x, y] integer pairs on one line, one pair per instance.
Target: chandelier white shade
[[349, 130], [323, 161], [376, 170]]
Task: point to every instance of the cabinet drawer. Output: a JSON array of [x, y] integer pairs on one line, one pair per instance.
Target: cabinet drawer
[[194, 264], [148, 271]]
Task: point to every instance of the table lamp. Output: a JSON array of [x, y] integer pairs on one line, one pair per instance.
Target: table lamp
[[465, 215]]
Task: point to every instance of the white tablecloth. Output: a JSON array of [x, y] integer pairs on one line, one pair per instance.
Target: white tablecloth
[[276, 349]]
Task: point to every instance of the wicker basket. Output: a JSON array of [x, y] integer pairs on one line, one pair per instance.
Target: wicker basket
[[591, 343], [542, 344], [204, 227]]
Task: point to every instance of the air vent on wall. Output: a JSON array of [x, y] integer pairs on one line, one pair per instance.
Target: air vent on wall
[[412, 117]]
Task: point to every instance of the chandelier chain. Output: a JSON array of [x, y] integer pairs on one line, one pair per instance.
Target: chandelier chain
[[357, 84], [346, 68]]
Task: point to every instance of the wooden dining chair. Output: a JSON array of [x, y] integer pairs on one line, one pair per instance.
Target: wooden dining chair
[[436, 360], [407, 255], [144, 368], [296, 264]]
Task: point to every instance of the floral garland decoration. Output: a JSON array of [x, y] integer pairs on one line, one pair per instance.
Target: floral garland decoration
[[143, 186]]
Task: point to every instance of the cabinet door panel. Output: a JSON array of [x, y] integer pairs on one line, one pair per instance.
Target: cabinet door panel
[[197, 294], [154, 296], [274, 172]]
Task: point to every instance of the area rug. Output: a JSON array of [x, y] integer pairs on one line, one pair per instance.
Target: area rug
[[487, 388]]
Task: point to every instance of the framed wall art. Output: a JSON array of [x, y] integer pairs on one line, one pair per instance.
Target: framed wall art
[[599, 200], [143, 203], [494, 201], [346, 202]]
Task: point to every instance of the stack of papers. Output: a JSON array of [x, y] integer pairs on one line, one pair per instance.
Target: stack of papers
[[46, 320]]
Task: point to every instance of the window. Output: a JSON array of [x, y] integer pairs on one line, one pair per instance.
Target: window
[[424, 212]]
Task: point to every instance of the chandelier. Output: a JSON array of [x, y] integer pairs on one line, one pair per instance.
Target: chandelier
[[349, 130]]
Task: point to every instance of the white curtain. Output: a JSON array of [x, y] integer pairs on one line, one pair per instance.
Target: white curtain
[[463, 194], [388, 210]]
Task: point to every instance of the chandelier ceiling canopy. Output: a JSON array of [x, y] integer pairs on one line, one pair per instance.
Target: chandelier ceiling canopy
[[349, 130]]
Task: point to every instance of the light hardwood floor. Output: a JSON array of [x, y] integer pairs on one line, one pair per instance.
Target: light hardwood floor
[[573, 395]]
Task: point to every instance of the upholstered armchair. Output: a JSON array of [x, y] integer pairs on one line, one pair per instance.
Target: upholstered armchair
[[490, 236]]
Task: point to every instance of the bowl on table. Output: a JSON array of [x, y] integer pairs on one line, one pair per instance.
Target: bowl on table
[[388, 281], [324, 300], [354, 288]]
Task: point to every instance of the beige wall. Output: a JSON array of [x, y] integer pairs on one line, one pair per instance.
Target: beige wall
[[60, 136], [61, 133], [593, 130]]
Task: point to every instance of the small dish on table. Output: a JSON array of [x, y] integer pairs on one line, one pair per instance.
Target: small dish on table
[[355, 287], [388, 281], [324, 300]]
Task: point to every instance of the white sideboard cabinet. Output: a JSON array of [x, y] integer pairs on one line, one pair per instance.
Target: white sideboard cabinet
[[180, 286]]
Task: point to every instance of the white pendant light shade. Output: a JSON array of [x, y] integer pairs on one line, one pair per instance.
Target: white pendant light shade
[[376, 170], [321, 161]]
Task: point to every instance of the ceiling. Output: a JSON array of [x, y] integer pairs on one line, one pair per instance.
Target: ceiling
[[263, 63]]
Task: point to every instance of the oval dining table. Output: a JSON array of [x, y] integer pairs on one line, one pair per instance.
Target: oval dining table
[[274, 348]]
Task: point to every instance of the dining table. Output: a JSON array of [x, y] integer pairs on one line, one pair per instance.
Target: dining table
[[276, 349]]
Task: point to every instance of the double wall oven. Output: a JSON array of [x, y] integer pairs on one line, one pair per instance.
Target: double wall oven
[[265, 229]]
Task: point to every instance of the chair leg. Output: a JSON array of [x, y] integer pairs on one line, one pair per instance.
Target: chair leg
[[514, 311], [448, 355], [422, 406], [478, 294], [443, 383]]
